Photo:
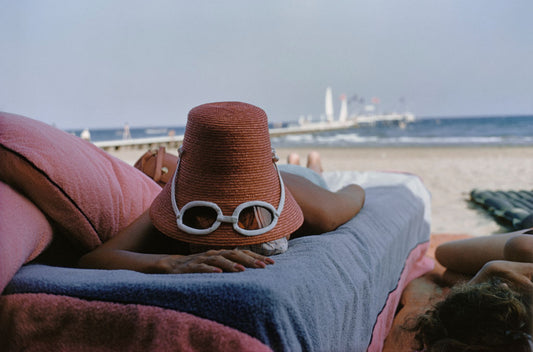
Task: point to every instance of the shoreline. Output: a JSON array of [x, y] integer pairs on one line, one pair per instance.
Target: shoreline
[[449, 172]]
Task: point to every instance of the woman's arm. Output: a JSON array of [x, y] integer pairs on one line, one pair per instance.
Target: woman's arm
[[127, 250], [519, 248], [468, 256], [323, 210]]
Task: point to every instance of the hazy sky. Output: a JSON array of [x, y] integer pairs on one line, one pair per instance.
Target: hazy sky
[[101, 63]]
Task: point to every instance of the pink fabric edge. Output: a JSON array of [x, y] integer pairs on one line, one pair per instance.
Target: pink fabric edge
[[416, 265], [40, 321], [24, 232]]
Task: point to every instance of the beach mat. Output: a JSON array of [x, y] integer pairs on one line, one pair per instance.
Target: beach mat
[[513, 209]]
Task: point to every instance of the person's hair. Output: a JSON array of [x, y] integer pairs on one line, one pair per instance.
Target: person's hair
[[482, 317]]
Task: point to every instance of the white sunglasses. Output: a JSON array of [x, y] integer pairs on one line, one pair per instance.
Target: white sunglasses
[[263, 214]]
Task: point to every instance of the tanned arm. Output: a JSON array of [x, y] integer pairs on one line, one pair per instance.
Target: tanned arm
[[127, 250], [323, 210], [469, 255]]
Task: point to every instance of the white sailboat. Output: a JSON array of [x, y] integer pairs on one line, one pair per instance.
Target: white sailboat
[[345, 120], [329, 105], [343, 115]]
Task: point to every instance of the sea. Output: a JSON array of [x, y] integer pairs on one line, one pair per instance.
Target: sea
[[423, 132]]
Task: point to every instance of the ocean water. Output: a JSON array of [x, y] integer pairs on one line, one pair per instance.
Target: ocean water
[[479, 131], [467, 131]]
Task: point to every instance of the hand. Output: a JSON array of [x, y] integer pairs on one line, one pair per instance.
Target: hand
[[212, 261], [515, 274]]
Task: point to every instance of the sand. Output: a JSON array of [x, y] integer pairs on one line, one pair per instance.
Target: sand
[[450, 173]]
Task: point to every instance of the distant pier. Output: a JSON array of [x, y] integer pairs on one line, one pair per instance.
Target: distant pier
[[176, 141], [141, 143], [303, 127]]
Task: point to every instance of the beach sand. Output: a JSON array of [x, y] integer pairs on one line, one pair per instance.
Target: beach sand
[[450, 173]]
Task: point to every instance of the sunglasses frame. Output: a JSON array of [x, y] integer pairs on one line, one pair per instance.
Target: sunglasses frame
[[234, 218]]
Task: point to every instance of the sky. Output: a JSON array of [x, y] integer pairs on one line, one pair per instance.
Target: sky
[[104, 63]]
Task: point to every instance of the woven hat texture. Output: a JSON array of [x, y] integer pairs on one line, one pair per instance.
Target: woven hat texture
[[226, 159]]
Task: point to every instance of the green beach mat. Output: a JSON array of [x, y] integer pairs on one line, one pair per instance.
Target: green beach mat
[[513, 209]]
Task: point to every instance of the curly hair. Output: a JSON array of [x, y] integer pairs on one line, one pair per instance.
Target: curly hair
[[483, 317]]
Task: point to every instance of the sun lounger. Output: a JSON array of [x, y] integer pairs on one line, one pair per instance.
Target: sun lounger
[[336, 291]]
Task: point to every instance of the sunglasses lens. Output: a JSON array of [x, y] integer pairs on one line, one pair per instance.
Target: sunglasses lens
[[255, 217], [199, 217]]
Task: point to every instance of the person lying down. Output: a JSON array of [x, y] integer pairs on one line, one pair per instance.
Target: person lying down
[[228, 206], [488, 308]]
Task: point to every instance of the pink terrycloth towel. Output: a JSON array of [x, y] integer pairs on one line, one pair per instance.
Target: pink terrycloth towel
[[86, 191], [417, 264], [42, 322], [24, 232]]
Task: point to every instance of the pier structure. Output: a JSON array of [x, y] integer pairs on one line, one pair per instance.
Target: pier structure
[[141, 143], [303, 126], [176, 141]]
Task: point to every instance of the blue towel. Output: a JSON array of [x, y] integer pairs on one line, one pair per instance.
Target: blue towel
[[323, 294]]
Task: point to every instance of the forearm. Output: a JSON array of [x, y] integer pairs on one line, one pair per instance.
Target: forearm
[[127, 250], [352, 199], [324, 210], [340, 207], [121, 259], [212, 261]]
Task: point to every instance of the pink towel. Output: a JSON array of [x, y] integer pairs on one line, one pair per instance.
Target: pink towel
[[416, 265], [42, 322], [24, 232], [88, 193]]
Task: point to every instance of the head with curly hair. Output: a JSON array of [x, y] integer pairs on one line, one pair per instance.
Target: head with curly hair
[[483, 317]]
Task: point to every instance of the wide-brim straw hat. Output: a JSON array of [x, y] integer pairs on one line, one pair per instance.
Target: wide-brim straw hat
[[226, 159]]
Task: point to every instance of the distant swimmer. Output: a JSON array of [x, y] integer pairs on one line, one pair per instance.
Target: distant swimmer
[[126, 132]]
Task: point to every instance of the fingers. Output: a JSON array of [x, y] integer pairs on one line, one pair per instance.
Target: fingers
[[259, 257], [216, 261], [245, 258], [516, 275], [201, 263], [522, 284], [223, 264]]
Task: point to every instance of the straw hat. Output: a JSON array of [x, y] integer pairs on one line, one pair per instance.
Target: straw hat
[[226, 159]]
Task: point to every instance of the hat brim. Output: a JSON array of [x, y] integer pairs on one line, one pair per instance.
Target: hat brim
[[164, 219]]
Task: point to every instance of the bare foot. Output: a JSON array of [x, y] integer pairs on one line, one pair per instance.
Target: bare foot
[[293, 159], [313, 162]]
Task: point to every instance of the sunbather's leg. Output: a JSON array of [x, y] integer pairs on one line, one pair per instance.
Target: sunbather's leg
[[293, 159], [313, 171], [313, 162]]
